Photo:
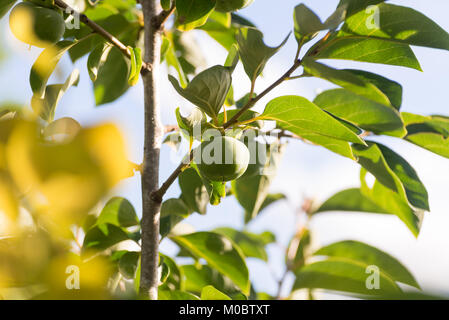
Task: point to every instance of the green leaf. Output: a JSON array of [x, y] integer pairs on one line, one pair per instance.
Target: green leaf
[[128, 264], [97, 58], [394, 172], [251, 244], [428, 132], [173, 211], [401, 24], [192, 126], [196, 277], [176, 295], [307, 24], [45, 107], [220, 253], [362, 112], [252, 191], [136, 65], [210, 293], [233, 58], [104, 236], [354, 6], [46, 64], [118, 212], [302, 117], [192, 13], [272, 198], [366, 254], [346, 79], [390, 88], [166, 4], [112, 80], [393, 203], [345, 275], [364, 49], [349, 200], [173, 61], [253, 51], [208, 90], [174, 279], [219, 28], [5, 6], [194, 193]]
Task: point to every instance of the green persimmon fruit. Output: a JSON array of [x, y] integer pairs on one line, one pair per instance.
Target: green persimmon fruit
[[259, 154], [38, 26], [222, 159], [231, 5]]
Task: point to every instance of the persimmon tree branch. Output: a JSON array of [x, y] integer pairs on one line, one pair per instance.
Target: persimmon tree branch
[[101, 31], [253, 100], [154, 130]]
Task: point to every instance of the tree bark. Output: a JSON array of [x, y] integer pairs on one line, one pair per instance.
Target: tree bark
[[149, 278]]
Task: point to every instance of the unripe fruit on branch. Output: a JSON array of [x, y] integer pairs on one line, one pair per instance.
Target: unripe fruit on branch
[[231, 5], [36, 25], [222, 159]]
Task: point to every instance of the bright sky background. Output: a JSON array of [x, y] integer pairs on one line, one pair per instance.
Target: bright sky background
[[306, 170]]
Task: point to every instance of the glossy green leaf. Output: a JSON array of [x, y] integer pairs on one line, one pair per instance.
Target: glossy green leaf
[[46, 64], [252, 245], [306, 24], [192, 13], [349, 200], [172, 61], [173, 211], [196, 277], [103, 236], [194, 193], [253, 51], [428, 132], [128, 264], [220, 253], [345, 275], [346, 79], [166, 4], [252, 191], [365, 49], [394, 172], [176, 295], [401, 24], [219, 28], [118, 212], [112, 78], [208, 90], [362, 112], [210, 293], [354, 6], [193, 125], [174, 279], [96, 59], [366, 254], [302, 117], [393, 203], [45, 107]]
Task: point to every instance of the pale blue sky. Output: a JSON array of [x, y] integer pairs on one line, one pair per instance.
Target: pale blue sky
[[306, 170]]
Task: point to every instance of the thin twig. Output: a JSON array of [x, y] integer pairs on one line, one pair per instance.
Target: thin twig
[[100, 31], [159, 193], [253, 100]]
